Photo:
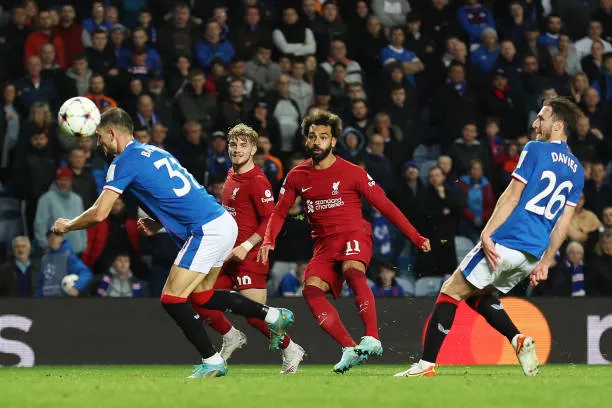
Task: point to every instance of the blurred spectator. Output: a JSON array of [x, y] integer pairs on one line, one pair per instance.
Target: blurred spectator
[[178, 78], [145, 20], [271, 165], [530, 46], [486, 54], [142, 134], [179, 35], [479, 199], [597, 193], [146, 113], [446, 164], [359, 116], [455, 104], [118, 281], [196, 103], [407, 192], [73, 35], [291, 283], [417, 40], [299, 90], [377, 165], [367, 49], [566, 278], [583, 224], [602, 84], [509, 62], [159, 134], [266, 124], [253, 31], [191, 151], [262, 70], [566, 49], [79, 75], [237, 108], [403, 113], [385, 284], [593, 63], [139, 42], [287, 113], [596, 112], [504, 102], [583, 46], [391, 13], [60, 261], [328, 29], [100, 56], [12, 121], [292, 37], [392, 136], [441, 208], [338, 89], [44, 35], [474, 19], [34, 88], [440, 21], [117, 43], [131, 94], [33, 172], [559, 78], [14, 34], [604, 14], [18, 276], [467, 148], [578, 86], [237, 71], [218, 157], [494, 141], [59, 202], [337, 53], [530, 86], [514, 28], [598, 271], [351, 144], [96, 92], [83, 182], [396, 52], [588, 144], [96, 21], [550, 37]]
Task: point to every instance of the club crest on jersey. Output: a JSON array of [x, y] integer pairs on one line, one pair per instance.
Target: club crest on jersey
[[335, 188], [234, 193]]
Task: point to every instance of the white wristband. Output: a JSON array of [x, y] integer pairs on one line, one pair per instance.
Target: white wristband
[[247, 245]]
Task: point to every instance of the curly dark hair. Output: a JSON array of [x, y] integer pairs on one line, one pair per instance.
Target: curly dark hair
[[320, 117]]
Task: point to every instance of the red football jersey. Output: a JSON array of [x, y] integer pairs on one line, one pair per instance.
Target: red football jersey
[[332, 200], [248, 198]]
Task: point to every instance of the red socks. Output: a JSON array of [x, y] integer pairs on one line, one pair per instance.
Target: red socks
[[364, 300], [263, 328], [327, 315], [214, 318]]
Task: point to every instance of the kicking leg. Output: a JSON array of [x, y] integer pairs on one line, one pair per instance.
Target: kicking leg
[[291, 352], [181, 282], [354, 273]]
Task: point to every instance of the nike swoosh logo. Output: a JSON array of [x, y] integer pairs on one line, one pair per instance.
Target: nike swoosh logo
[[306, 189]]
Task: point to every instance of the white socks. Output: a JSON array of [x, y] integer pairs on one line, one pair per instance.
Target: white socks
[[214, 359], [515, 341], [272, 315]]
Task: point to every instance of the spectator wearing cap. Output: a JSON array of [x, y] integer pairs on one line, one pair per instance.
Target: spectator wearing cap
[[474, 19], [34, 88], [251, 32], [218, 158], [59, 202], [96, 92], [179, 35], [262, 70], [411, 63], [139, 45], [503, 102], [78, 75], [96, 21], [213, 46], [530, 46], [19, 275], [480, 201], [328, 29], [60, 261], [391, 13], [73, 35], [468, 148], [292, 36], [486, 54], [237, 108], [406, 192], [196, 103], [514, 28], [100, 56], [117, 39], [190, 150], [337, 53], [44, 35]]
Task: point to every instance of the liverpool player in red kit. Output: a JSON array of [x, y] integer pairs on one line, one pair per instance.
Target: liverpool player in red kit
[[331, 189], [247, 196]]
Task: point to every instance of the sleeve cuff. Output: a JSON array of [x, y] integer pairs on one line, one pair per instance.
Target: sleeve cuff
[[115, 189], [519, 178], [571, 204]]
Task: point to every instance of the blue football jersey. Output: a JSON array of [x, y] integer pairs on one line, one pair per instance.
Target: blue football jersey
[[553, 178], [165, 189]]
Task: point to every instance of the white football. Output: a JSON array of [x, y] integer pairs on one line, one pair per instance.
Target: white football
[[68, 282], [79, 117]]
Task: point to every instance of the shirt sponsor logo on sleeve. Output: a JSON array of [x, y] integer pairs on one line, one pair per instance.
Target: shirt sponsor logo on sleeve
[[268, 197]]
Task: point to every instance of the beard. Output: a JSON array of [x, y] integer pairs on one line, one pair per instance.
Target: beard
[[317, 157]]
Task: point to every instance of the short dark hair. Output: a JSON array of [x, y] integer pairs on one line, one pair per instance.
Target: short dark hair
[[388, 265], [395, 28], [359, 100], [99, 31], [195, 72], [322, 117], [566, 111], [79, 56], [117, 117]]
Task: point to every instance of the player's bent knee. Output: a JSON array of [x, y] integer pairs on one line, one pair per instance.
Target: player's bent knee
[[257, 295], [346, 265], [457, 287], [317, 283]]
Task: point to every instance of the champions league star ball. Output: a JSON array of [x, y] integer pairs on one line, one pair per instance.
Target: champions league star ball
[[79, 117], [68, 282]]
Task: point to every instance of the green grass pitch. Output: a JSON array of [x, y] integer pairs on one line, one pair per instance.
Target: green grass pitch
[[315, 386]]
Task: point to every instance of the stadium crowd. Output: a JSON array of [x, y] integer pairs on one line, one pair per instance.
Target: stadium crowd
[[437, 99]]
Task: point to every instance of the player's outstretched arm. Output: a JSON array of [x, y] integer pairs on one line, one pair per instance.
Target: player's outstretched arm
[[92, 216], [376, 196], [557, 236], [503, 209]]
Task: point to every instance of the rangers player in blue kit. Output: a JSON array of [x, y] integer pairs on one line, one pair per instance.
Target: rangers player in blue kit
[[201, 226], [528, 226]]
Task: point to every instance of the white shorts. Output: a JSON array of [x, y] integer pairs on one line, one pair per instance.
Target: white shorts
[[209, 247], [513, 268]]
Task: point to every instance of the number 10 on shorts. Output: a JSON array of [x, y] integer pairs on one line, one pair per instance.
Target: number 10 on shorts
[[352, 247]]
